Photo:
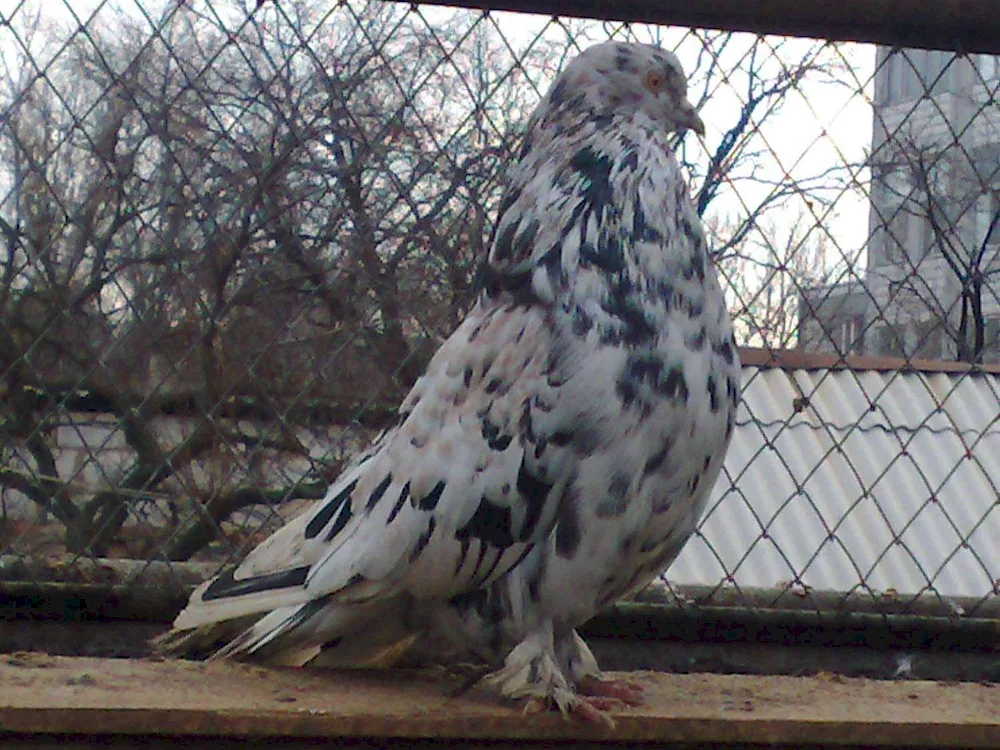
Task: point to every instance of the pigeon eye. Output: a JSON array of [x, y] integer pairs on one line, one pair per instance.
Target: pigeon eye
[[653, 81]]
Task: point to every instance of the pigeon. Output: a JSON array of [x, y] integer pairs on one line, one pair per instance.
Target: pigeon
[[559, 449]]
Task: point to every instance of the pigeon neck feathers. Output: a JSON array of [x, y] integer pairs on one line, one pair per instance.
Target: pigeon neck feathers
[[596, 221]]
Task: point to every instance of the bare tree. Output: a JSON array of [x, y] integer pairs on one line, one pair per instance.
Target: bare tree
[[770, 274], [952, 194], [249, 224], [246, 230]]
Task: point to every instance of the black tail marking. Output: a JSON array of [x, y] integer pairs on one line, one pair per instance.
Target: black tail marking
[[226, 586]]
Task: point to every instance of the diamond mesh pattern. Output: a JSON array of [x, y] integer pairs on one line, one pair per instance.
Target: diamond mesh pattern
[[234, 232]]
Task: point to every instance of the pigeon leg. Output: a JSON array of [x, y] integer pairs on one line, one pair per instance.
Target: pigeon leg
[[564, 676], [531, 671]]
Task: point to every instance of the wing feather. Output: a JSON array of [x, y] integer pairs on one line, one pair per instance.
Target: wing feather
[[443, 503], [454, 482]]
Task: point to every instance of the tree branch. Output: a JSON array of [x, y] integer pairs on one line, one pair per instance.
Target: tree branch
[[204, 526]]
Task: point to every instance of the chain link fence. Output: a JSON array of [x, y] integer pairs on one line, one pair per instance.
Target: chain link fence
[[233, 233]]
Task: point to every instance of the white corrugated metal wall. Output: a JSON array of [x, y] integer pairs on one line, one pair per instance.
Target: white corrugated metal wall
[[845, 479]]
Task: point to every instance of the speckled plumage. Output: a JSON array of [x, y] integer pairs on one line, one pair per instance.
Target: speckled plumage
[[558, 452]]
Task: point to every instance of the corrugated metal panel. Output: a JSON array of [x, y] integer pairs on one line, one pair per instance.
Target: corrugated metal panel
[[879, 479]]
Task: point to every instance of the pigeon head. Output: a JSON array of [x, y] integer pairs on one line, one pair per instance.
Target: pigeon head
[[617, 78]]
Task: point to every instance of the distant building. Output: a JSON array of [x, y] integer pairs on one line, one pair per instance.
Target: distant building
[[935, 166], [832, 318]]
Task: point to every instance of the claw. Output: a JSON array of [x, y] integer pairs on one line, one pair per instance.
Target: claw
[[590, 708], [623, 691], [535, 706], [593, 710]]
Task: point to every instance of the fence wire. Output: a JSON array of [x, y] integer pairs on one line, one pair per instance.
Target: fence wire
[[234, 232]]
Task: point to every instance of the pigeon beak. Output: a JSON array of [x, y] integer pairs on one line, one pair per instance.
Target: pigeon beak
[[688, 118]]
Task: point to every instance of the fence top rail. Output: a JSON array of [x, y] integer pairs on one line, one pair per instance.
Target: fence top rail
[[959, 25], [795, 359]]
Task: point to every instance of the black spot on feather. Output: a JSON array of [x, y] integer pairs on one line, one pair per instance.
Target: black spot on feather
[[322, 518], [568, 526], [616, 501], [558, 92], [491, 433], [688, 229], [626, 392], [655, 461], [490, 523], [675, 386], [581, 321], [378, 492], [621, 303], [561, 437], [526, 424], [641, 230], [509, 199], [525, 146], [535, 586], [340, 522], [404, 495], [713, 394], [517, 283], [463, 552], [430, 500], [423, 540], [503, 246], [501, 443], [534, 491], [227, 586], [596, 168], [725, 350], [696, 342], [525, 241]]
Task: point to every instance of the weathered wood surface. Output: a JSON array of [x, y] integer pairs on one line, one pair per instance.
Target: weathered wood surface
[[42, 695]]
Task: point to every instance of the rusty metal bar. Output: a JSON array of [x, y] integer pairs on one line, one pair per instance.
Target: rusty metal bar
[[959, 25]]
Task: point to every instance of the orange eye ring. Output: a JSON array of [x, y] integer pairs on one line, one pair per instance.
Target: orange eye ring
[[653, 81]]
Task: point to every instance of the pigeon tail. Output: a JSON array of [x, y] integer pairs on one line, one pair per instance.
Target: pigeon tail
[[320, 631]]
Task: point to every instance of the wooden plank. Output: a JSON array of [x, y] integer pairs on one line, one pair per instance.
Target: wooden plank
[[796, 359], [44, 695], [960, 25]]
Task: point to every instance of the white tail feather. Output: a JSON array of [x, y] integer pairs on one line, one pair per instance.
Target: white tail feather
[[199, 612], [347, 634]]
